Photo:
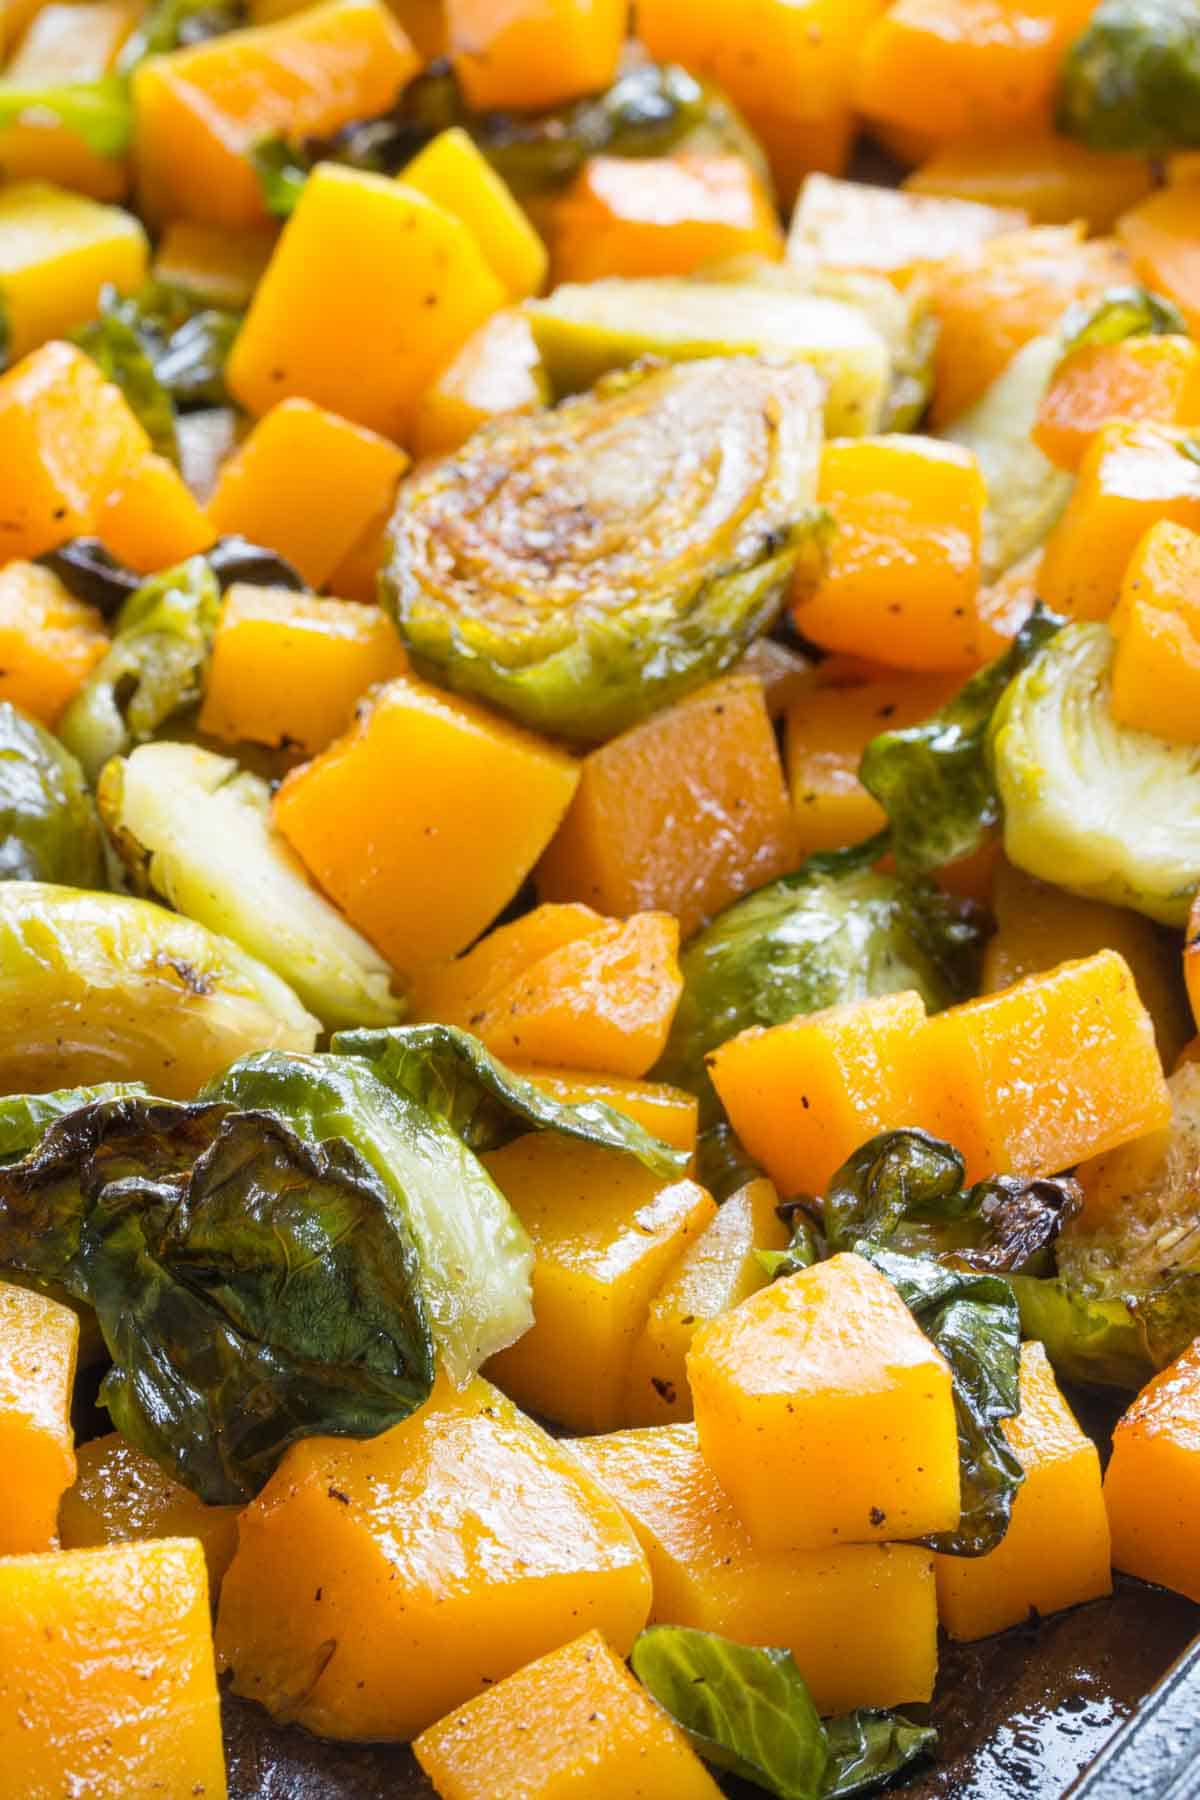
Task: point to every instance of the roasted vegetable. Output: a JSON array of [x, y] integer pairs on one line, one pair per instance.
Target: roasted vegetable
[[1088, 804], [748, 1711], [168, 25], [1131, 81], [98, 112], [196, 830], [92, 574], [48, 825], [579, 568]]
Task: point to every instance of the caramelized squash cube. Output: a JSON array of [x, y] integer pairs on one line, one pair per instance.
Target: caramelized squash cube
[[151, 520], [39, 1341], [49, 641], [1151, 378], [453, 173], [1152, 1487], [535, 55]]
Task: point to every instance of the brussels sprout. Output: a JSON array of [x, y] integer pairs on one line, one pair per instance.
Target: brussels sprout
[[98, 111], [583, 567], [102, 987], [48, 826], [583, 330], [196, 830], [1090, 805], [154, 670], [1131, 81]]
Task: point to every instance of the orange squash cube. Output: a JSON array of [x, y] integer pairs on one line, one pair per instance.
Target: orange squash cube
[[1160, 237], [851, 225], [665, 215], [499, 370], [121, 1496], [357, 575], [536, 54], [1056, 1550], [605, 1233], [681, 814], [458, 1546], [461, 991], [199, 111], [49, 641], [860, 1619], [1152, 1486], [826, 1414], [903, 570], [57, 251], [1004, 605], [64, 44], [107, 1684], [1053, 180], [1156, 675], [1131, 477], [802, 1097], [715, 1273], [307, 484], [1155, 378], [570, 1726], [151, 520], [390, 818], [453, 173], [667, 1113], [223, 267], [289, 669], [39, 1341], [1164, 573]]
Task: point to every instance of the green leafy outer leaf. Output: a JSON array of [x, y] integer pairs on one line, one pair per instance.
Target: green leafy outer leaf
[[115, 344], [25, 1118], [1131, 81], [1089, 1339], [97, 111], [474, 1263], [251, 1289], [167, 24], [1121, 313], [868, 1747], [578, 569], [154, 670], [282, 170], [451, 1075], [49, 830], [934, 780]]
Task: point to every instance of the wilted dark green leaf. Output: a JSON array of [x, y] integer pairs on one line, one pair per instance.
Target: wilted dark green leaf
[[25, 1118]]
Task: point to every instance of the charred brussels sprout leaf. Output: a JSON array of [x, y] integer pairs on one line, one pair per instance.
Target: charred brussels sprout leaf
[[1091, 805], [934, 781], [154, 670], [115, 345], [99, 111], [251, 1289], [583, 567], [748, 1711], [48, 825], [92, 574], [25, 1118], [1131, 81]]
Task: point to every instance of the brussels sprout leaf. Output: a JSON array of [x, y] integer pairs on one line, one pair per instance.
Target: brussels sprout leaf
[[99, 112], [115, 344], [1131, 81], [25, 1118], [49, 830], [1125, 312]]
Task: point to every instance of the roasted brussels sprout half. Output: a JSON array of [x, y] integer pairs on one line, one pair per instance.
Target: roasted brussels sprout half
[[196, 830], [583, 567], [1090, 805], [1131, 81], [99, 987], [48, 826]]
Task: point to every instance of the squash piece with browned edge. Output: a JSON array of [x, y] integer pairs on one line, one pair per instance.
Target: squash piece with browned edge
[[121, 1495], [49, 641], [860, 1619], [392, 819], [39, 1340], [380, 1583], [1056, 1551], [667, 1113], [368, 262], [151, 520], [57, 250], [826, 1414], [1052, 179], [1152, 378], [851, 225], [200, 111], [605, 1232], [682, 814], [107, 1686], [1152, 1487], [720, 1269], [307, 484], [575, 1725], [288, 669], [498, 370], [453, 173], [532, 54]]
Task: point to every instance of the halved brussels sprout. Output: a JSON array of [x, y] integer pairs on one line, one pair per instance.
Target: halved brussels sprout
[[1131, 81], [1090, 805], [48, 826], [98, 987], [583, 567], [196, 829]]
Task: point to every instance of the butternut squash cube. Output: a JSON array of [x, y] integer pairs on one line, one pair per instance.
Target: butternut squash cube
[[1163, 572], [49, 641], [605, 1232], [1156, 675], [390, 818], [57, 250], [665, 1112], [455, 175], [223, 267], [39, 1341], [1053, 180], [289, 669], [575, 1725], [357, 575], [499, 370], [1056, 1550], [1152, 378], [534, 55], [121, 1496], [802, 1097], [1160, 236], [460, 992], [860, 1619], [825, 1412], [1152, 1486], [717, 1272], [76, 42], [681, 814], [368, 262], [199, 111], [456, 1547], [851, 225], [307, 484], [151, 520], [69, 439], [107, 1686]]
